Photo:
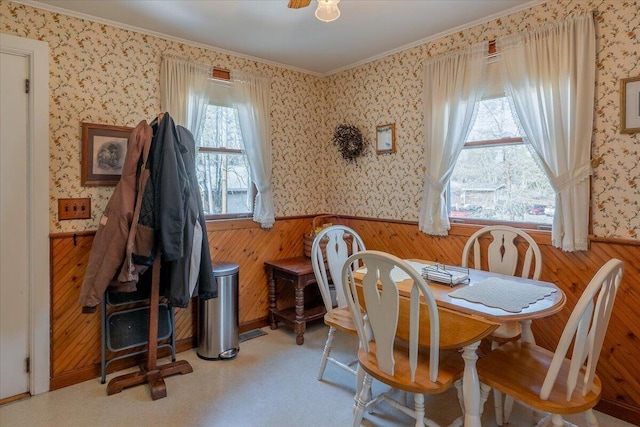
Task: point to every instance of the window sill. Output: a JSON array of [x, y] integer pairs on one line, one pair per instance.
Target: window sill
[[487, 222], [541, 237], [231, 224]]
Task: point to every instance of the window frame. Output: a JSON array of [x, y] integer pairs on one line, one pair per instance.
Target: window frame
[[252, 188], [224, 76], [492, 57], [484, 222]]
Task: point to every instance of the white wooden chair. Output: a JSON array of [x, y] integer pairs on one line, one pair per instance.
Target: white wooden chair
[[502, 256], [330, 249], [404, 350], [549, 382]]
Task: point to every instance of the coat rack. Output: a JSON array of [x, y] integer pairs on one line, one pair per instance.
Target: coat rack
[[150, 373]]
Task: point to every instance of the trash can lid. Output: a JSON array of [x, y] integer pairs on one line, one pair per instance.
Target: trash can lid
[[224, 268]]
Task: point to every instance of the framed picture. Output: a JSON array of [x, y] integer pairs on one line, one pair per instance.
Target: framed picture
[[630, 105], [386, 139], [103, 151]]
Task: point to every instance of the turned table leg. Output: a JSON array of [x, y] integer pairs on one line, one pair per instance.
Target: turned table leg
[[300, 324], [272, 299], [471, 386]]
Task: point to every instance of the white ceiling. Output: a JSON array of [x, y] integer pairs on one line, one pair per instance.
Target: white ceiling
[[268, 31]]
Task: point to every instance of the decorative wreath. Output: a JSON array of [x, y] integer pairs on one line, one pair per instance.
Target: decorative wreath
[[349, 140]]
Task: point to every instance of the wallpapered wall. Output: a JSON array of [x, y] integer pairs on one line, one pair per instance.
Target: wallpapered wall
[[390, 90], [101, 74]]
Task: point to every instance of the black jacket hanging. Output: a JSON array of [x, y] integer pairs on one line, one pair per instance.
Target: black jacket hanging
[[192, 274]]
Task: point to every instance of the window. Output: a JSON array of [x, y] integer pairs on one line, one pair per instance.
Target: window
[[496, 176], [222, 165]]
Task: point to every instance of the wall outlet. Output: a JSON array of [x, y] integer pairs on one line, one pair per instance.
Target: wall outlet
[[74, 209]]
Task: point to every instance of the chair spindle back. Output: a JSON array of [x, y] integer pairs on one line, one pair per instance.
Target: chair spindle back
[[381, 301], [337, 250], [586, 328]]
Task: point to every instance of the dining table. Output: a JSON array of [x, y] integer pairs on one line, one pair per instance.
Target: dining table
[[482, 293]]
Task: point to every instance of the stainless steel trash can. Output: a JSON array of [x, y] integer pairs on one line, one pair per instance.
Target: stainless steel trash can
[[218, 317]]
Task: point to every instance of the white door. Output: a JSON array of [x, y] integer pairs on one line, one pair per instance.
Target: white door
[[24, 218], [14, 238]]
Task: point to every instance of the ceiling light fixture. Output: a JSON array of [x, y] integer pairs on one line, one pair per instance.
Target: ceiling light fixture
[[327, 10]]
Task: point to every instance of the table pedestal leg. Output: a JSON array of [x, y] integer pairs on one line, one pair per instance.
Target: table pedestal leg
[[471, 386], [527, 334]]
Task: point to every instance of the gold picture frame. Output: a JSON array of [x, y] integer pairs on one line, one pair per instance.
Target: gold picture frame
[[386, 139], [103, 152], [630, 105]]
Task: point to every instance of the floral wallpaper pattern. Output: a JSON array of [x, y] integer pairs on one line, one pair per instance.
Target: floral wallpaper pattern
[[390, 90], [102, 74], [106, 75]]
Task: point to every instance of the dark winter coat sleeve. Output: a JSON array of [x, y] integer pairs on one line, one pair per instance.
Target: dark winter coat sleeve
[[170, 189]]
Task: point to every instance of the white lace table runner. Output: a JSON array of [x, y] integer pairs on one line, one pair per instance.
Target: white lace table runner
[[508, 295]]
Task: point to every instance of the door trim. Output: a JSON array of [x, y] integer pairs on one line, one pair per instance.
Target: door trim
[[38, 225]]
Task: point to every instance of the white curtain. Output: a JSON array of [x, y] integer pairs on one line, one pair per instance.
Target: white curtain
[[252, 102], [452, 84], [183, 92], [551, 73]]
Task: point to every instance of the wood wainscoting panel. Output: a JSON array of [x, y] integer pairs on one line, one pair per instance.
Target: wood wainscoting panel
[[249, 246], [185, 319], [75, 337]]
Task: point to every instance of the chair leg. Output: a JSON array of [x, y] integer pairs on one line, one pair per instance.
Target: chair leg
[[497, 396], [361, 401], [458, 385], [458, 422], [326, 352], [591, 419], [543, 421], [360, 376], [525, 336], [508, 407], [418, 407], [484, 395], [557, 420]]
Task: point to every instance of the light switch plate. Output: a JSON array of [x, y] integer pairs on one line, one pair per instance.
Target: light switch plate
[[74, 208]]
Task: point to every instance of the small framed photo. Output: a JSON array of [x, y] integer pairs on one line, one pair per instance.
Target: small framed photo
[[386, 139], [103, 151], [630, 105]]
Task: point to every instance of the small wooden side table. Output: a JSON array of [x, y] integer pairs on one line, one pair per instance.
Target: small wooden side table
[[296, 272]]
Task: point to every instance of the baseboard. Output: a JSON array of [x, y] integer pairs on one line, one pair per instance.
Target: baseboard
[[254, 324], [189, 343], [15, 398], [619, 410], [74, 377]]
